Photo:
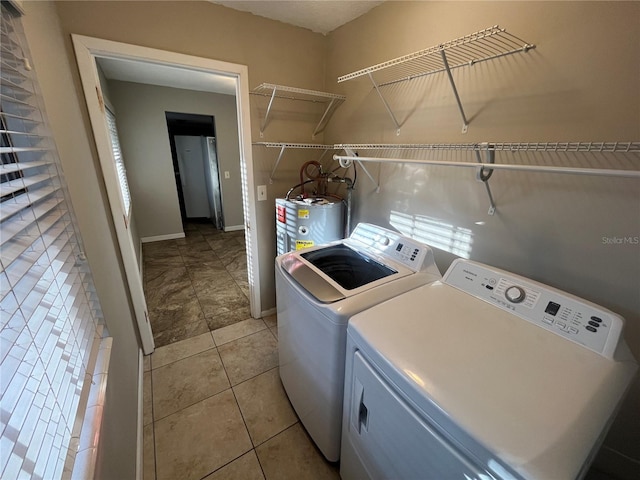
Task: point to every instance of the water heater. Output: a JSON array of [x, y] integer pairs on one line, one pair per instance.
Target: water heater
[[308, 222]]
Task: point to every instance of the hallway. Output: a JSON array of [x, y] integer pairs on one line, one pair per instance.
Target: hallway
[[214, 406]]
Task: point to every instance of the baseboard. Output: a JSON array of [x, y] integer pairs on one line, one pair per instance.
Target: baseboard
[[266, 313], [233, 228], [159, 238]]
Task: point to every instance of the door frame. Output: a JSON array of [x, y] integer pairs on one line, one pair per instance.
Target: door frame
[[87, 49]]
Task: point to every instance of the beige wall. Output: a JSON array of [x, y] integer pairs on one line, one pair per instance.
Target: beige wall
[[145, 142], [69, 124], [579, 84]]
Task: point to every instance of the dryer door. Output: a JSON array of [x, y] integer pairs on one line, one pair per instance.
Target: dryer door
[[386, 438]]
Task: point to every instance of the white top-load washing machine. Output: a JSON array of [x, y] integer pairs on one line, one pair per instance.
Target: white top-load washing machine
[[318, 290], [482, 375]]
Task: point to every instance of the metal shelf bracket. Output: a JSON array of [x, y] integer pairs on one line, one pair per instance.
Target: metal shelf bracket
[[275, 167], [284, 146], [266, 115], [484, 174], [353, 156], [385, 103], [272, 91], [465, 124]]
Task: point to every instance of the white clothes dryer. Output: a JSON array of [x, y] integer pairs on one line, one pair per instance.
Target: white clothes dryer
[[318, 289], [483, 375]]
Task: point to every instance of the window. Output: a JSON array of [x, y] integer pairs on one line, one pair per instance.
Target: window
[[50, 316], [119, 162]]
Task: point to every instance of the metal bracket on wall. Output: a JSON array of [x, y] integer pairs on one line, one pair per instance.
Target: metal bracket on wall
[[285, 146], [445, 62], [385, 103], [353, 156], [484, 174]]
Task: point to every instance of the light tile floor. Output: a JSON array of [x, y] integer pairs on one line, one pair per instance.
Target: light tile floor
[[214, 406]]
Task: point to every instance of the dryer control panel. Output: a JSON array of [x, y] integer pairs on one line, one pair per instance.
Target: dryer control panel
[[575, 319], [389, 244]]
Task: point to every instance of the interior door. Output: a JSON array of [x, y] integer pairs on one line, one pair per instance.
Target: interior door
[[192, 175], [214, 177], [98, 116]]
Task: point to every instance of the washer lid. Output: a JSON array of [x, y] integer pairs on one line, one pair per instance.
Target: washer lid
[[336, 271], [513, 393], [372, 256]]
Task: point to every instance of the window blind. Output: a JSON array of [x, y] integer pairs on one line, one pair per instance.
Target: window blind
[[119, 162], [50, 316]]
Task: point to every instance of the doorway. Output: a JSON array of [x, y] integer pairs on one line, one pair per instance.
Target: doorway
[[186, 72], [192, 138]]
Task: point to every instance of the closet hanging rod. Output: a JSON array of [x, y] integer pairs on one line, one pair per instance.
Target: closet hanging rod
[[497, 166]]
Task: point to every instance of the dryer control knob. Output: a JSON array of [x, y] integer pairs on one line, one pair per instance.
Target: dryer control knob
[[515, 294]]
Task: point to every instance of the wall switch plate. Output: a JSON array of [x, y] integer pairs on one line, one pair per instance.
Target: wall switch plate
[[227, 174], [262, 193]]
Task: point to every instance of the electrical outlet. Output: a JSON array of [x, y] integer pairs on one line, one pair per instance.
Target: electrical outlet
[[262, 193]]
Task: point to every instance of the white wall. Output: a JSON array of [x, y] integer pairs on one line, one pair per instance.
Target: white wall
[[579, 84], [145, 143], [70, 127]]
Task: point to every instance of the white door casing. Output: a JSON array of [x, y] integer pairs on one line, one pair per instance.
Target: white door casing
[[87, 49]]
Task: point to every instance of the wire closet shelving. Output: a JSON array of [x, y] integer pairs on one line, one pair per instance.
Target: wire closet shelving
[[284, 146], [331, 100], [488, 44], [484, 169]]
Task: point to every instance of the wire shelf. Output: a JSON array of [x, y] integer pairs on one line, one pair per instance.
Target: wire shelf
[[296, 145], [488, 44], [605, 147], [331, 100], [294, 93]]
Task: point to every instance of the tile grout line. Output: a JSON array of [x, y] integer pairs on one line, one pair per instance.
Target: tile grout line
[[215, 346]]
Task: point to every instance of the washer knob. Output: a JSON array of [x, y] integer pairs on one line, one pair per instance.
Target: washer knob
[[383, 240], [515, 294]]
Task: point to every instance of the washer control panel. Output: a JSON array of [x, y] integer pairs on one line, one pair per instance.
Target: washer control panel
[[570, 317], [389, 244]]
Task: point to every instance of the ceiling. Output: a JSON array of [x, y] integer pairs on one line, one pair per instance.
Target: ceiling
[[138, 71], [322, 16]]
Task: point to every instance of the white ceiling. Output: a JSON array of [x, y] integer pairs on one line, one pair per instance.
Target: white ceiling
[[322, 16], [166, 76]]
